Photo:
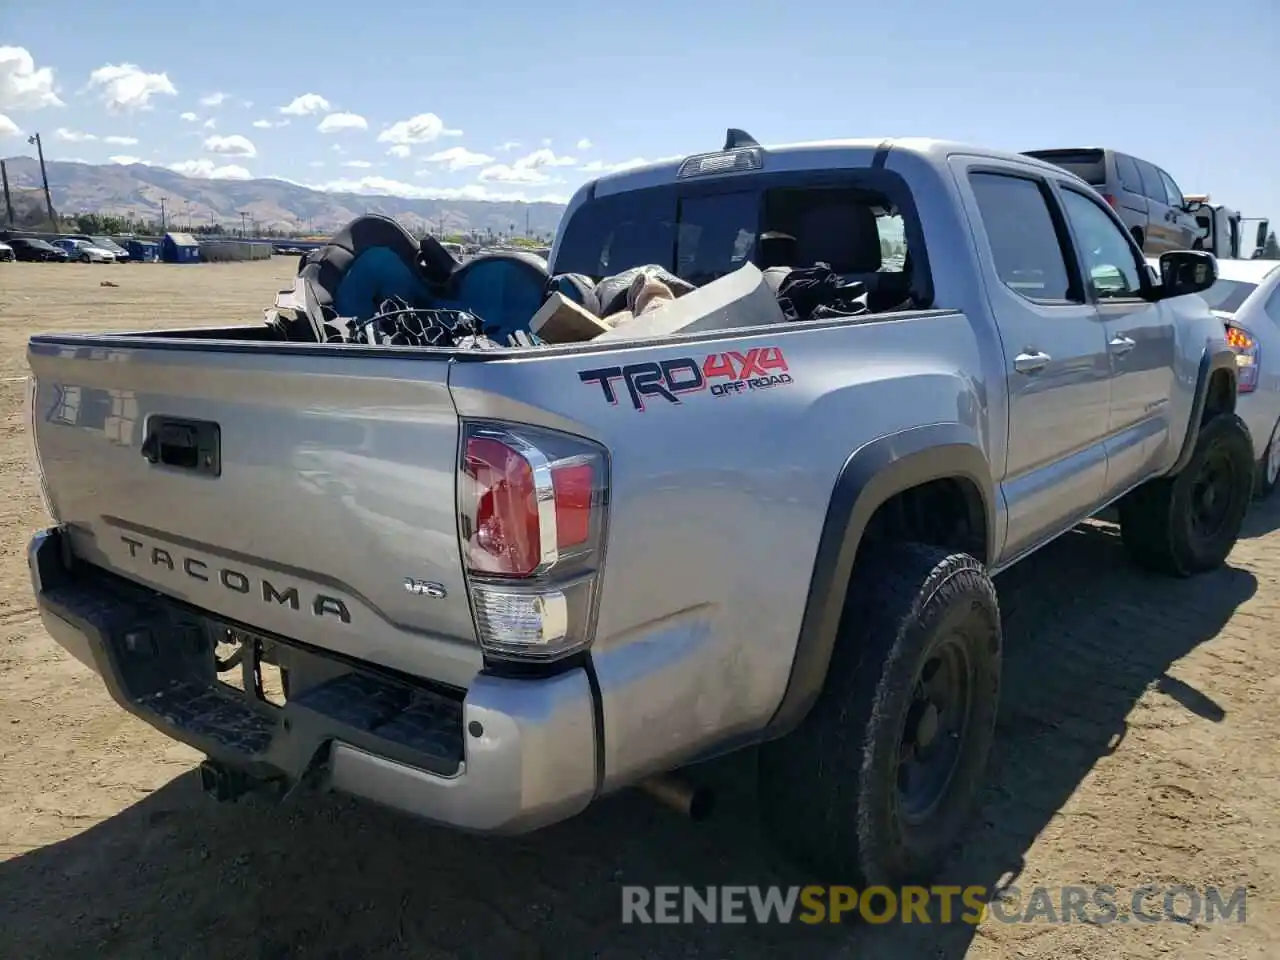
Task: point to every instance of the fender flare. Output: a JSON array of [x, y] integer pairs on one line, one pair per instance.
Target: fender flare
[[1217, 356], [870, 476]]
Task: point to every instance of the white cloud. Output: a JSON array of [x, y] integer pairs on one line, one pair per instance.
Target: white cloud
[[306, 105], [232, 146], [358, 164], [213, 99], [72, 136], [544, 158], [22, 86], [528, 169], [424, 128], [459, 158], [546, 141], [316, 163], [188, 116], [210, 123], [263, 124], [399, 150], [599, 166], [121, 141], [126, 160], [337, 122], [7, 127], [125, 87], [584, 144], [208, 170], [509, 146], [396, 188]]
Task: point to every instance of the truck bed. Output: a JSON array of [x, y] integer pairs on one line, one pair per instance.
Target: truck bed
[[336, 473]]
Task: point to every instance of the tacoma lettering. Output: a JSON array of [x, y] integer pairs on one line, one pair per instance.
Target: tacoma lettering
[[237, 581]]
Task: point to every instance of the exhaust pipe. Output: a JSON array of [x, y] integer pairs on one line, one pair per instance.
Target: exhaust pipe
[[687, 799]]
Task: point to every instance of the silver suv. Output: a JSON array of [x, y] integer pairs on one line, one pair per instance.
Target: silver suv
[[1148, 200]]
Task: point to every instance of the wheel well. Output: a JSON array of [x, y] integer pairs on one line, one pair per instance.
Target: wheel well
[[947, 512], [1221, 396], [1137, 235]]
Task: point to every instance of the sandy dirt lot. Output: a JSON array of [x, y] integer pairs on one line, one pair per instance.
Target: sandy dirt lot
[[1137, 746]]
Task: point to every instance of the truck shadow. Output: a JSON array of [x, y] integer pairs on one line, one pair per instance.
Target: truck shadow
[[176, 875]]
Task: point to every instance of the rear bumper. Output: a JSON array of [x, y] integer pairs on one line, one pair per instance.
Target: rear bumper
[[508, 756]]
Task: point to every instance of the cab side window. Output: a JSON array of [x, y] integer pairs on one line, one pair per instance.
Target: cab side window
[[1111, 268]]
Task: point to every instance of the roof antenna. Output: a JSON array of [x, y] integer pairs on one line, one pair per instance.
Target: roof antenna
[[736, 139]]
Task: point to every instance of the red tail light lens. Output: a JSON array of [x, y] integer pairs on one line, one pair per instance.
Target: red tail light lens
[[1111, 201], [507, 538], [531, 506]]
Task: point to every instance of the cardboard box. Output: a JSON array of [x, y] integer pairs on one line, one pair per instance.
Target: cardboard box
[[739, 299], [560, 320]]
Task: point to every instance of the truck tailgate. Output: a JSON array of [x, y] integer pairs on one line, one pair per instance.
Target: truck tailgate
[[292, 493]]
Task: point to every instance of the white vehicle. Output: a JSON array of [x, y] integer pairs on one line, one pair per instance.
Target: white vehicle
[[1246, 296], [1222, 229], [84, 251], [6, 252]]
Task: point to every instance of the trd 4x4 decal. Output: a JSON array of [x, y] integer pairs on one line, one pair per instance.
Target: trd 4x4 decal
[[724, 374]]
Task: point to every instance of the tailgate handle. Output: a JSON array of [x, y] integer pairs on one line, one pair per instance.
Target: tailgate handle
[[193, 445]]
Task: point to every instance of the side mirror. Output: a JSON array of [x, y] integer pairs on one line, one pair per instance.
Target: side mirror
[[1264, 229], [1186, 271], [1193, 206]]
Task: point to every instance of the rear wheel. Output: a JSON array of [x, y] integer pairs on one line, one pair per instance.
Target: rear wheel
[[879, 779], [1138, 237], [1188, 523], [85, 258]]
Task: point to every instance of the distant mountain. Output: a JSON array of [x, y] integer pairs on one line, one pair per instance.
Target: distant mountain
[[135, 191]]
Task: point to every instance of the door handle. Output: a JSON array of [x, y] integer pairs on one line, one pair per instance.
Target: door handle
[[1122, 344], [1030, 362]]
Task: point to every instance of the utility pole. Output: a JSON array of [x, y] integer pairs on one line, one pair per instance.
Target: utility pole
[[163, 228], [526, 221], [44, 176], [243, 216], [8, 200]]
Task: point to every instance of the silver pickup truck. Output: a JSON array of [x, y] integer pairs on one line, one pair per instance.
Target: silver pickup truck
[[500, 584]]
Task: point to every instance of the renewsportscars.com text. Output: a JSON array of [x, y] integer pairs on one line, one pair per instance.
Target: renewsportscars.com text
[[1097, 904]]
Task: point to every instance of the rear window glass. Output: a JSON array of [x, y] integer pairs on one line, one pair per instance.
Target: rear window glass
[[1089, 165], [1228, 295], [706, 235]]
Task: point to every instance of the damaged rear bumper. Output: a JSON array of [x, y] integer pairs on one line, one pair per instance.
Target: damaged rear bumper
[[505, 756]]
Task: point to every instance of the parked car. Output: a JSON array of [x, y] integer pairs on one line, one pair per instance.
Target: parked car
[[106, 243], [1148, 200], [514, 584], [6, 252], [1246, 296], [33, 249], [84, 251]]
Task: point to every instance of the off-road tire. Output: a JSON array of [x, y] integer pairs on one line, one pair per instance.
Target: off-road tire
[[829, 790], [1158, 520]]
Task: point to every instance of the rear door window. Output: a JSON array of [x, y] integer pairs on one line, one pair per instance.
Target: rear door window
[[1025, 243], [1152, 183]]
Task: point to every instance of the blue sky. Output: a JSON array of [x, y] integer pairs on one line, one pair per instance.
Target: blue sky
[[517, 99]]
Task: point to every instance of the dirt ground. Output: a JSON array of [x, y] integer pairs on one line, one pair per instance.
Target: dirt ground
[[1137, 746]]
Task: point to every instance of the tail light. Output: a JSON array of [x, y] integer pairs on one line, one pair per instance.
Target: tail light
[[532, 506], [1246, 348], [1111, 201]]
